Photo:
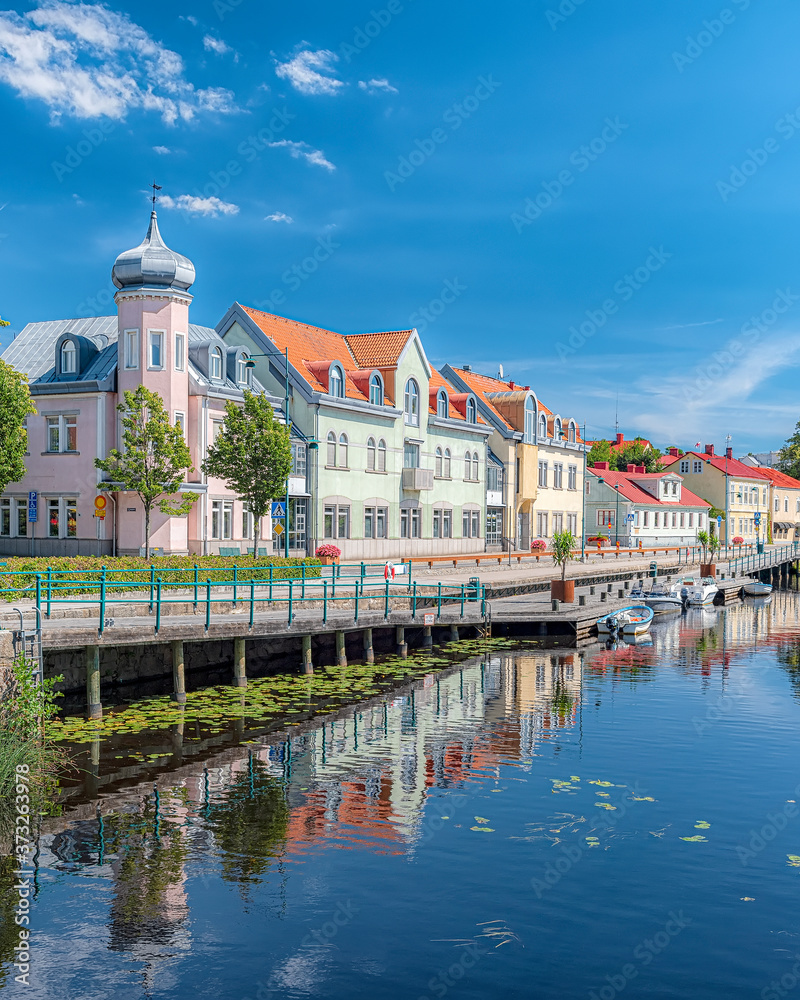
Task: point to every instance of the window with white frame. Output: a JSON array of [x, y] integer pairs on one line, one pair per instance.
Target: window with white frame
[[442, 522], [476, 467], [410, 455], [336, 521], [557, 430], [541, 524], [331, 457], [777, 504], [697, 466], [216, 430], [381, 456], [215, 370], [343, 451], [572, 477], [785, 505], [180, 352], [247, 523], [155, 357], [558, 523], [471, 524], [691, 519], [62, 517], [447, 463], [530, 421], [180, 421], [375, 521], [336, 382], [62, 433], [5, 518], [685, 465], [13, 518], [442, 404], [472, 412], [674, 519], [437, 465], [558, 475], [376, 390], [683, 519], [467, 465], [543, 473], [572, 432], [646, 519], [131, 340], [605, 518], [371, 454], [542, 426], [299, 459], [411, 522], [411, 403], [69, 358], [572, 523], [244, 374], [222, 519]]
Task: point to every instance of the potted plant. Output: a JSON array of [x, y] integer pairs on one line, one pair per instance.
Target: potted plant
[[709, 543], [562, 549], [539, 545], [328, 554]]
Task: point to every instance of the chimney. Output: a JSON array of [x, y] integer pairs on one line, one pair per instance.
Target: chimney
[[467, 368], [527, 388], [632, 467], [620, 438], [675, 452], [640, 469], [601, 466], [709, 449], [511, 385], [729, 453]]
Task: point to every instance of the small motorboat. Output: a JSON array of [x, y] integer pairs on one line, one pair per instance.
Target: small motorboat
[[632, 620], [703, 592], [755, 588], [681, 588], [662, 600]]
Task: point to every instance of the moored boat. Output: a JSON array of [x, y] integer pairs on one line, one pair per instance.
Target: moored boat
[[755, 588], [662, 600], [632, 620], [703, 592]]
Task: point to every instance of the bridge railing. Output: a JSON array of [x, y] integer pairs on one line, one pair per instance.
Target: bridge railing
[[764, 560], [293, 594]]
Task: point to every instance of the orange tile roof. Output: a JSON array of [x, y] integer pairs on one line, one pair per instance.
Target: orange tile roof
[[378, 350], [311, 348], [779, 478]]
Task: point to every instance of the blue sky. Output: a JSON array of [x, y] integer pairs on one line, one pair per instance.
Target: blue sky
[[600, 197]]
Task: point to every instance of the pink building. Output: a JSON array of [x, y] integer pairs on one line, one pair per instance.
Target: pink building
[[78, 370]]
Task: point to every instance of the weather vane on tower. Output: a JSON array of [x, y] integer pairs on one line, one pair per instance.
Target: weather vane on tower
[[155, 187]]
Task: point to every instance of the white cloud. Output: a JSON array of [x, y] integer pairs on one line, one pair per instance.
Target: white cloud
[[77, 199], [190, 18], [302, 149], [378, 86], [162, 150], [687, 326], [199, 206], [88, 61], [211, 44], [306, 72], [279, 217]]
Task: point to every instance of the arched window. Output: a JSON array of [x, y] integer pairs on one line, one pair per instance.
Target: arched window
[[472, 413], [438, 464], [216, 363], [467, 465], [243, 373], [336, 382], [411, 403], [69, 358], [343, 451], [785, 505], [381, 456], [376, 390], [542, 426], [442, 404], [446, 469], [530, 421], [331, 449], [371, 454], [557, 432], [476, 468], [572, 432], [777, 505]]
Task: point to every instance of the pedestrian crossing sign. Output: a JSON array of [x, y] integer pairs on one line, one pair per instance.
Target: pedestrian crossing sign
[[278, 509]]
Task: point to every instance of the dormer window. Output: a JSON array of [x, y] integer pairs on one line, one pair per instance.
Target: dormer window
[[571, 436], [215, 368], [376, 390], [243, 372], [542, 426], [69, 358], [411, 403], [530, 421], [557, 431], [472, 412], [442, 404], [336, 382]]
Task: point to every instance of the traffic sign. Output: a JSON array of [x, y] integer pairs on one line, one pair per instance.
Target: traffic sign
[[428, 618], [278, 508], [277, 529], [757, 517], [100, 504], [719, 521], [33, 506], [631, 517]]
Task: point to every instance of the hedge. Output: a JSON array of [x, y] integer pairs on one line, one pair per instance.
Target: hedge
[[119, 571]]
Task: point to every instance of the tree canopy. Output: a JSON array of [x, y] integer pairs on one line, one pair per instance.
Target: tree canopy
[[252, 455], [15, 406], [636, 452], [789, 461], [153, 460]]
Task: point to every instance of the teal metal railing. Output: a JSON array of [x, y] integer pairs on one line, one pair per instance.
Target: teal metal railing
[[764, 560]]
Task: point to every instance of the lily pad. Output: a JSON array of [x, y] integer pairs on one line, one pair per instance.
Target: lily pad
[[482, 829], [697, 840], [702, 825], [605, 805], [794, 860]]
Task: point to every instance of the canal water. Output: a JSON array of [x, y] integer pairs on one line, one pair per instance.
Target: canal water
[[527, 823]]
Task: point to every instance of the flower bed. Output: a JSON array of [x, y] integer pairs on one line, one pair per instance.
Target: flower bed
[[540, 545]]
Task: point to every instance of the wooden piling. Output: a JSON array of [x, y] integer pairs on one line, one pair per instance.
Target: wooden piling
[[341, 653], [427, 637], [308, 666], [178, 673], [94, 707], [400, 640], [454, 633], [239, 664], [369, 652]]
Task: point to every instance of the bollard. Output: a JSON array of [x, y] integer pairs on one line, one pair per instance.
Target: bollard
[[427, 637], [308, 666], [341, 653], [582, 600], [604, 595], [556, 604], [94, 708], [239, 664], [454, 633], [400, 640], [369, 652], [178, 673]]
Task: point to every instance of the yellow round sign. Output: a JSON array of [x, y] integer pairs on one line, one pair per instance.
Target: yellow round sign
[[100, 503]]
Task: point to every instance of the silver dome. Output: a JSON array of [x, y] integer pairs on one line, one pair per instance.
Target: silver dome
[[152, 264]]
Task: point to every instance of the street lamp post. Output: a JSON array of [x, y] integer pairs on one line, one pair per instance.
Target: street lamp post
[[583, 497], [616, 516]]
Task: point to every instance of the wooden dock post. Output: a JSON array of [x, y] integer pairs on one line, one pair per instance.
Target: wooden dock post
[[341, 653], [427, 637], [369, 652], [454, 633], [94, 707], [400, 639], [178, 673], [308, 666], [239, 664]]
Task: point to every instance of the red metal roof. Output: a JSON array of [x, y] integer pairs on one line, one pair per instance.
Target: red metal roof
[[732, 466], [626, 483]]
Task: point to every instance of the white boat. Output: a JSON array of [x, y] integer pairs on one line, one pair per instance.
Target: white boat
[[627, 621], [703, 592], [681, 588], [662, 600], [755, 588]]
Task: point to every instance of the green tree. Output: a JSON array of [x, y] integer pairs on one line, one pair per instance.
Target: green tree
[[638, 452], [153, 460], [599, 452], [789, 460], [15, 406], [253, 455], [563, 545]]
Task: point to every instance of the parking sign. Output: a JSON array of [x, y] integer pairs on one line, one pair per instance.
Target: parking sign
[[33, 506]]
